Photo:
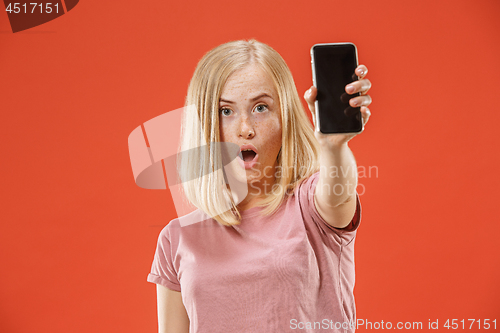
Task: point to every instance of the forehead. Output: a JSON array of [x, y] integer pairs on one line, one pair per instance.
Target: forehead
[[247, 82]]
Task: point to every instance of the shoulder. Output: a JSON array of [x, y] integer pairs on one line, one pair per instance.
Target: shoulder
[[306, 185], [193, 224], [195, 217]]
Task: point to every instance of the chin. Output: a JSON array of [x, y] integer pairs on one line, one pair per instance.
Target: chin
[[253, 176]]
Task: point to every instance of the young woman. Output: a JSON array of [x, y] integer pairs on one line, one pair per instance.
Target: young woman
[[280, 259]]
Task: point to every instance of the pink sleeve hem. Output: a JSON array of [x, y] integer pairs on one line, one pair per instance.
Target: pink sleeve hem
[[167, 284], [351, 227]]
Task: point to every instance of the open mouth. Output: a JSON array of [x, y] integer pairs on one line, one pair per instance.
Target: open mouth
[[248, 156]]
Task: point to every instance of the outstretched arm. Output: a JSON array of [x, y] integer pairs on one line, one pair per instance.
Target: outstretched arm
[[335, 194]]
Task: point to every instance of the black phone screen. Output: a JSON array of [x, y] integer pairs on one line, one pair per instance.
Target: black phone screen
[[333, 69]]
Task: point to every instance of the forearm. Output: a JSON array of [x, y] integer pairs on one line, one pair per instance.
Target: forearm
[[338, 175], [335, 194]]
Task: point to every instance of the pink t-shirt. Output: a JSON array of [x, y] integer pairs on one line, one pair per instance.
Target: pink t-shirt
[[285, 273]]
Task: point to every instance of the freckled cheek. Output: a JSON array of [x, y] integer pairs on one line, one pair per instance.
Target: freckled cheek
[[225, 129], [272, 131]]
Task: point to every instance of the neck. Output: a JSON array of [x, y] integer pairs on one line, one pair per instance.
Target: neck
[[257, 191]]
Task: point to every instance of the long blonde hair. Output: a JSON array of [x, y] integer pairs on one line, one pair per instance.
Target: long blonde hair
[[201, 163]]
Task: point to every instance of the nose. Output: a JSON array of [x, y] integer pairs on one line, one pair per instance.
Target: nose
[[246, 129]]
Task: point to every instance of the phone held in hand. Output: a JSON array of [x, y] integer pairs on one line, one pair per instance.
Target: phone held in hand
[[333, 66]]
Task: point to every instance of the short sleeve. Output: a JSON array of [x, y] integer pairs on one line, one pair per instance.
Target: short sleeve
[[163, 271], [306, 199]]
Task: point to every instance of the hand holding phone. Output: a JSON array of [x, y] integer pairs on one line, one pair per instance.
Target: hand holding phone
[[333, 67]]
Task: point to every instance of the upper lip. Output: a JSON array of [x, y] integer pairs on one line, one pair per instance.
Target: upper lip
[[248, 146]]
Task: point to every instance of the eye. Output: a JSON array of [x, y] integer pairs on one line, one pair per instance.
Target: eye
[[261, 108], [226, 112]]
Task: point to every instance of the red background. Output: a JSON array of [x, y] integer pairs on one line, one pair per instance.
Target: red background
[[78, 236]]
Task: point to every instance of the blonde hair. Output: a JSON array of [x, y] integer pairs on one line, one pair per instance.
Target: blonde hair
[[200, 162]]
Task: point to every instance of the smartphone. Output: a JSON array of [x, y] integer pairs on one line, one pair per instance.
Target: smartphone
[[333, 66]]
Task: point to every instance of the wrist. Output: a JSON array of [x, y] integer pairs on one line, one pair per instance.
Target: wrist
[[333, 147], [333, 141]]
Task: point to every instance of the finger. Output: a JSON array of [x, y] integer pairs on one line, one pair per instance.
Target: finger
[[310, 97], [365, 114], [361, 71], [360, 101], [361, 86]]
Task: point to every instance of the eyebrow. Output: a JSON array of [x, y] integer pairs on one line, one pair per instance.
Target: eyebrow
[[252, 99]]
